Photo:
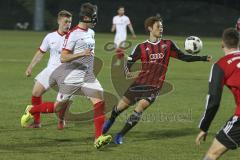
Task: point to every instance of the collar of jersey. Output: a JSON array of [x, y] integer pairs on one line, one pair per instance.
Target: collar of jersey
[[60, 33], [154, 42], [237, 51], [82, 28]]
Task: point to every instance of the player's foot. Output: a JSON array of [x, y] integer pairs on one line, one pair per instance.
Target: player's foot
[[118, 139], [26, 117], [102, 141], [34, 125], [61, 124], [107, 125]]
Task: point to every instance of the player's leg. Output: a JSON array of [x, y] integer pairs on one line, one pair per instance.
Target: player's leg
[[215, 151], [37, 92], [122, 105], [132, 121], [119, 53], [40, 87], [227, 138], [95, 92]]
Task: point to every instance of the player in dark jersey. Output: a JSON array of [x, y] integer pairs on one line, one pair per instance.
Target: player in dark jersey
[[154, 55], [225, 71]]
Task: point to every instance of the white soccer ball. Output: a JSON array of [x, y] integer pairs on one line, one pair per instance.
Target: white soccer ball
[[193, 45]]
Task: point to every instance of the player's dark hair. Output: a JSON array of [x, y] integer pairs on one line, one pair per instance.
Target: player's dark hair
[[149, 22], [230, 38], [120, 7], [64, 13], [87, 9]]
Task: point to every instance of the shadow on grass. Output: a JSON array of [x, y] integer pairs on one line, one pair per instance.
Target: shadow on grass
[[162, 134]]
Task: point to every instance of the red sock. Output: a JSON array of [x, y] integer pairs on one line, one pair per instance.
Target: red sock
[[119, 53], [45, 107], [61, 113], [99, 118], [36, 101]]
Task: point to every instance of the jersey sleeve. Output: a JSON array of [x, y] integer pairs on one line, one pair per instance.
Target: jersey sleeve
[[69, 42], [133, 57], [114, 21], [128, 21], [216, 82], [44, 45], [178, 54]]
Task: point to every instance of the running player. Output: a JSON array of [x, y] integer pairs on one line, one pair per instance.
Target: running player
[[154, 55], [120, 23], [76, 74], [226, 71], [52, 42]]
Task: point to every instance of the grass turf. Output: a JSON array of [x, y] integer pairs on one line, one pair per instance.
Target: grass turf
[[168, 128]]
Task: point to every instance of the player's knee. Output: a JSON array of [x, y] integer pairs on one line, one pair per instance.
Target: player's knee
[[213, 154], [37, 93]]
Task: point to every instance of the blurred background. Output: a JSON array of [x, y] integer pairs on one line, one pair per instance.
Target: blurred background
[[185, 17]]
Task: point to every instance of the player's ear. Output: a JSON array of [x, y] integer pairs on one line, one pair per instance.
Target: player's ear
[[149, 29]]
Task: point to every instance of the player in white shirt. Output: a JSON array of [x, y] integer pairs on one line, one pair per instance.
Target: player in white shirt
[[76, 74], [53, 43], [120, 24]]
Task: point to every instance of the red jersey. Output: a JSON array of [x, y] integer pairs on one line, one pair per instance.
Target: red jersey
[[226, 71]]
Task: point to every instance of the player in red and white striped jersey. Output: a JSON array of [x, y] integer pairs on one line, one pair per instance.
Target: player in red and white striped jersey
[[154, 55], [226, 71], [52, 42]]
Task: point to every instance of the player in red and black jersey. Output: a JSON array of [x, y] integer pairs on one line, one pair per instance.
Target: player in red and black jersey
[[225, 71], [154, 55]]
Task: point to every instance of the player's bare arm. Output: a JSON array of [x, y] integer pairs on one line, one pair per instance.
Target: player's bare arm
[[113, 28], [67, 56], [132, 30], [36, 59]]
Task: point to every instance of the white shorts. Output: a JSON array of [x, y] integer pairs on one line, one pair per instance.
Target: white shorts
[[89, 89], [119, 38], [44, 75]]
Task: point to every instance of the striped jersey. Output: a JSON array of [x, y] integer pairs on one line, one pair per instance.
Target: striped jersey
[[154, 58]]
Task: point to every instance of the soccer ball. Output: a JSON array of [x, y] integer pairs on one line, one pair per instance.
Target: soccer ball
[[193, 45]]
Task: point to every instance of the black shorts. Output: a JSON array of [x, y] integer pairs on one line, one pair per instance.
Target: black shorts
[[229, 135], [137, 92]]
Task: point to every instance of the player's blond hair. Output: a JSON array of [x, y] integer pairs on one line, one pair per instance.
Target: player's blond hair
[[64, 13]]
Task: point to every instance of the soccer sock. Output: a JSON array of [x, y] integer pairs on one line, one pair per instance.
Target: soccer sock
[[99, 118], [119, 53], [45, 107], [61, 113], [114, 114], [36, 101], [131, 122]]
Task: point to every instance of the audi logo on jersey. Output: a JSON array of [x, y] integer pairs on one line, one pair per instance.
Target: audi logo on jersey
[[156, 56]]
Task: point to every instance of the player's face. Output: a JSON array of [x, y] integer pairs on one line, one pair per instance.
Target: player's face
[[157, 29], [121, 11], [65, 23]]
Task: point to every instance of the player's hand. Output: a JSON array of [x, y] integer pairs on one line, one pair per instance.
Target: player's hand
[[87, 52], [201, 136], [134, 36], [209, 58], [28, 72]]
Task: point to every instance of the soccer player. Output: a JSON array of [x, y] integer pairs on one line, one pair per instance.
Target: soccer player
[[154, 54], [120, 23], [226, 71], [76, 73], [52, 42]]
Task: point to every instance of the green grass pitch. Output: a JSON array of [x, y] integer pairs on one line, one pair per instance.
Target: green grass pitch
[[167, 131]]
